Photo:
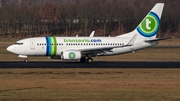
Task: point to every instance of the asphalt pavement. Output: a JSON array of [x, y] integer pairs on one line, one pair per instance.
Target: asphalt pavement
[[99, 64]]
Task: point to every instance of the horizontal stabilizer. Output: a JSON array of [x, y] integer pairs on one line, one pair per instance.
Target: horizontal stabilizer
[[157, 39]]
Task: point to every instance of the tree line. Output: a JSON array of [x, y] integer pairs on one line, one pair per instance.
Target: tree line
[[24, 18]]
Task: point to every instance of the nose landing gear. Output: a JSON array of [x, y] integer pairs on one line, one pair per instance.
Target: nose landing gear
[[24, 56]]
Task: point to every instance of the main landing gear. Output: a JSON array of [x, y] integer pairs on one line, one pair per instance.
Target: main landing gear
[[26, 60], [84, 59]]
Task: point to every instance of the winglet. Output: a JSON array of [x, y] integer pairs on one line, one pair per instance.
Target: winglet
[[92, 34]]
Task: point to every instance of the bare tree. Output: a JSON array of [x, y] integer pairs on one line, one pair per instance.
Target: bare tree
[[19, 2], [107, 16], [0, 3], [50, 14]]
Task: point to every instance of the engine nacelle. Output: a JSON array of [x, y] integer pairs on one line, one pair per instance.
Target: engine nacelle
[[70, 55]]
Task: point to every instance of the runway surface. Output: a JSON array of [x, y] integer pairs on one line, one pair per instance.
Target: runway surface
[[99, 64]]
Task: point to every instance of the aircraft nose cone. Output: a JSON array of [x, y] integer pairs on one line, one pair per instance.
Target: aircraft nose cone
[[10, 49]]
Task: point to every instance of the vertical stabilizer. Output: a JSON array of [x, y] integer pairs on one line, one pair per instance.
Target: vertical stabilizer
[[149, 26]]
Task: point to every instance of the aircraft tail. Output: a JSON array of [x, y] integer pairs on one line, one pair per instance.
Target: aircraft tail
[[149, 26]]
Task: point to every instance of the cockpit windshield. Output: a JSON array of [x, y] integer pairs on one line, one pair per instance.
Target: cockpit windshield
[[18, 43]]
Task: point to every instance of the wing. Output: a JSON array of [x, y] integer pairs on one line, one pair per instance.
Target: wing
[[94, 51]]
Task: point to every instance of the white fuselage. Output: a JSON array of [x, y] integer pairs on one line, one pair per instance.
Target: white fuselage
[[56, 45]]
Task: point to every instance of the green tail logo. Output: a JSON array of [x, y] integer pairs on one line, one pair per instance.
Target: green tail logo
[[149, 26]]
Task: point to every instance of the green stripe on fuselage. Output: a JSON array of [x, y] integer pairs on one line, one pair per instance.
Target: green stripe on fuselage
[[54, 46]]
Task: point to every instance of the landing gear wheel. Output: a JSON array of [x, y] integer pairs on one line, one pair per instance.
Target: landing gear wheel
[[83, 60], [89, 60], [26, 60]]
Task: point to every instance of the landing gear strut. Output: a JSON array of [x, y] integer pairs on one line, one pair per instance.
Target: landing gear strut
[[88, 60]]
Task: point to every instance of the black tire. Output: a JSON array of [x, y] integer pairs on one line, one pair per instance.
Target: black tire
[[89, 60], [83, 60], [26, 60]]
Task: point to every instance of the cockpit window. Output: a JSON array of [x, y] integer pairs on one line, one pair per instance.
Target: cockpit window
[[18, 43]]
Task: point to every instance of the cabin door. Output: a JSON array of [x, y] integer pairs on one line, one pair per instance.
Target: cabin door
[[32, 44]]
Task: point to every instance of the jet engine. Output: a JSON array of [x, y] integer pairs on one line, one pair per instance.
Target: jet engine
[[70, 55]]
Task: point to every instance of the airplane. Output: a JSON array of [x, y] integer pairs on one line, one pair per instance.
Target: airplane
[[84, 48]]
